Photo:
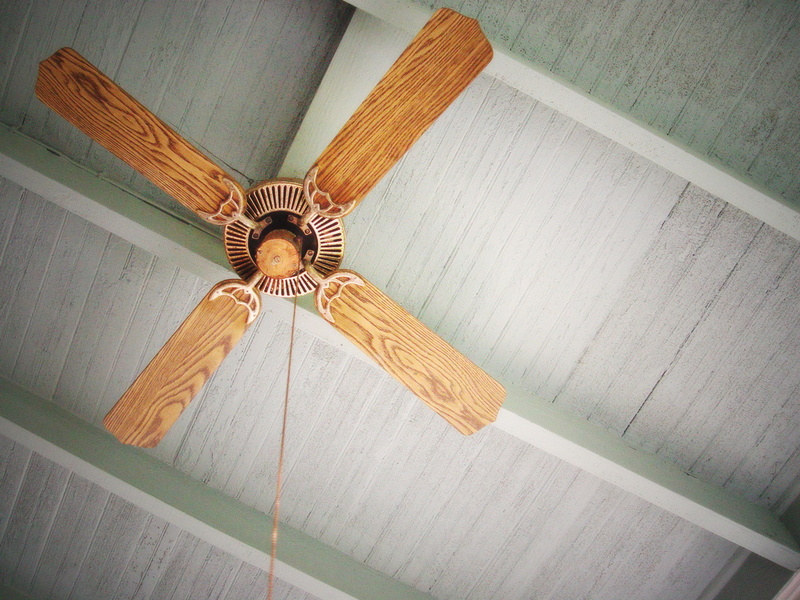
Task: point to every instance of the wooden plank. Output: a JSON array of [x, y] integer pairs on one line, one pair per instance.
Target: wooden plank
[[30, 521], [13, 466], [472, 533], [118, 530], [329, 434], [586, 445], [662, 91], [33, 227], [708, 314], [151, 557], [198, 509], [59, 303], [12, 594], [118, 282], [74, 527], [681, 275], [737, 62], [388, 408], [762, 131]]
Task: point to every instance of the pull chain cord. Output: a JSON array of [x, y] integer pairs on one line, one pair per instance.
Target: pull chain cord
[[280, 460]]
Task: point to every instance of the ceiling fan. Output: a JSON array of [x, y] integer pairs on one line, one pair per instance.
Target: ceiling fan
[[285, 237]]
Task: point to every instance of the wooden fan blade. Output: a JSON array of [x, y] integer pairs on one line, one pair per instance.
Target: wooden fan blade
[[444, 57], [162, 391], [441, 376], [80, 93]]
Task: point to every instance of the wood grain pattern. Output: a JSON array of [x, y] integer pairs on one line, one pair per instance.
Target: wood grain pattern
[[80, 93], [164, 389], [278, 254], [444, 57], [447, 381]]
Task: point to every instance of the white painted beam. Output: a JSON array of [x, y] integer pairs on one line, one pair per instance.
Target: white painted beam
[[406, 17], [196, 508], [537, 422]]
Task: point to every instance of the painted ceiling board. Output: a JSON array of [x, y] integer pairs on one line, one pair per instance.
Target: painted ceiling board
[[716, 386], [520, 196]]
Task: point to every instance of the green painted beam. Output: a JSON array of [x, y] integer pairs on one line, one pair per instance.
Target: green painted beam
[[199, 509]]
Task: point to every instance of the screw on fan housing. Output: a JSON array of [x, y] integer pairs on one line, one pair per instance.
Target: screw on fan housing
[[283, 240]]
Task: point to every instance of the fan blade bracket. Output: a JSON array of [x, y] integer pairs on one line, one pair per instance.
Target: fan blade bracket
[[242, 293], [330, 289], [231, 209], [320, 202], [448, 382]]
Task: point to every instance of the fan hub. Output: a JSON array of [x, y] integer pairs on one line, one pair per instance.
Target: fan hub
[[281, 242], [279, 254]]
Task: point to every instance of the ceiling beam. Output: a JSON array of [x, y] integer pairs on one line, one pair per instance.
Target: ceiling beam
[[531, 419], [191, 505], [402, 18]]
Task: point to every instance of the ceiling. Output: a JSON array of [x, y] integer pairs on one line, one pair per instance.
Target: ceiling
[[605, 221]]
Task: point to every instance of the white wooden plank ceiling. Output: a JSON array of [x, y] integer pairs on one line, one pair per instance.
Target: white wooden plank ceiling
[[562, 262]]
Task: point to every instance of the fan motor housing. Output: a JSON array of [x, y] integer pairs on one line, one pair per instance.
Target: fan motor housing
[[277, 205]]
